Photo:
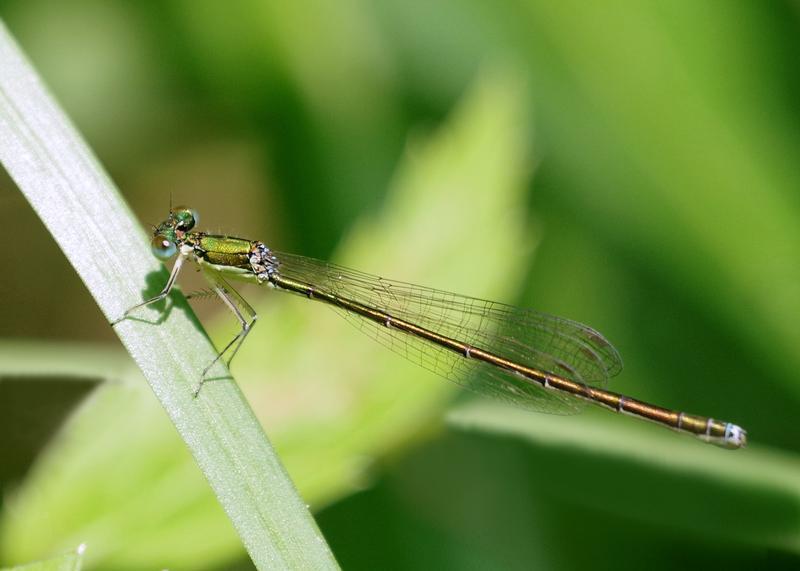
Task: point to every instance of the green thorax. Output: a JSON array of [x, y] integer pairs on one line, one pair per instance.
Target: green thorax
[[225, 251]]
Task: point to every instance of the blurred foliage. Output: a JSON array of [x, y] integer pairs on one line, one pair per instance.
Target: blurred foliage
[[69, 561], [338, 420], [395, 136]]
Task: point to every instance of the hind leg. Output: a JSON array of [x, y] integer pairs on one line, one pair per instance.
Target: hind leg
[[243, 312]]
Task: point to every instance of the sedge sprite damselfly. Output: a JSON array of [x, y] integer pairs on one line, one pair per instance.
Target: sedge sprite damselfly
[[527, 358]]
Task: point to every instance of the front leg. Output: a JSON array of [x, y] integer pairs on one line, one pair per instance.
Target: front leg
[[164, 292]]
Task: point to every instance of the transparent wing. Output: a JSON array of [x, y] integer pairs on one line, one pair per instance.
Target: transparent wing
[[537, 340]]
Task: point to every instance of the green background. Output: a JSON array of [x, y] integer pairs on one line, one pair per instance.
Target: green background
[[632, 165]]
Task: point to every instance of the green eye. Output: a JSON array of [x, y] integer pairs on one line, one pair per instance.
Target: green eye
[[185, 218], [163, 248]]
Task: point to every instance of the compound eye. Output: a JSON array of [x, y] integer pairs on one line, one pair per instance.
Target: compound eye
[[185, 218], [163, 248]]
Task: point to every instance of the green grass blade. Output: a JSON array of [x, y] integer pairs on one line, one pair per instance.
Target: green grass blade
[[102, 240]]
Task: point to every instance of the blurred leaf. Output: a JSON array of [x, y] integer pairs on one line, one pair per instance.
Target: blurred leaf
[[668, 134], [333, 399], [70, 561], [330, 118], [40, 385], [79, 205], [453, 219], [654, 127], [93, 52], [382, 524], [477, 499], [676, 354], [117, 482], [651, 475]]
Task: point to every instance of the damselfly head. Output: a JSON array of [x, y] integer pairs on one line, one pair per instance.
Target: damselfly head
[[168, 235]]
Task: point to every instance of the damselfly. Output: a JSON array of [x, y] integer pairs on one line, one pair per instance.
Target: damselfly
[[530, 359]]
